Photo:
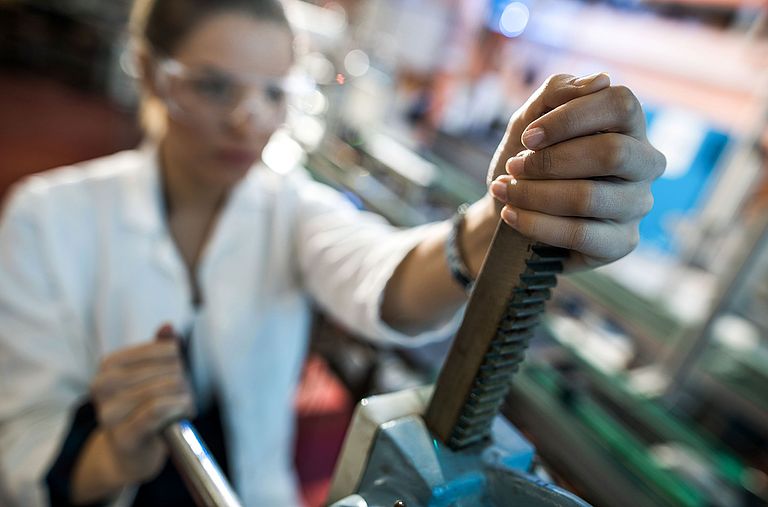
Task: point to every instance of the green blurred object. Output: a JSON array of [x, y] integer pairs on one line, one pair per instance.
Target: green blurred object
[[651, 414], [647, 318]]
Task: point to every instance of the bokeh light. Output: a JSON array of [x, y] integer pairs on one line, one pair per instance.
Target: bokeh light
[[514, 19], [357, 63]]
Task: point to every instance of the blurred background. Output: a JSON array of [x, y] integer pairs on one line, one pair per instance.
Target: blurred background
[[648, 383]]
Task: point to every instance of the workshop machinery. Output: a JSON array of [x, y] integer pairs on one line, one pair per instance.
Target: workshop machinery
[[448, 446]]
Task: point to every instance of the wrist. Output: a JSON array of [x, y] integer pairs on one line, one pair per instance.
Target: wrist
[[98, 474], [475, 236]]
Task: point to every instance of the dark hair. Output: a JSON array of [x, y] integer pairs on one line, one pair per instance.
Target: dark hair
[[163, 24]]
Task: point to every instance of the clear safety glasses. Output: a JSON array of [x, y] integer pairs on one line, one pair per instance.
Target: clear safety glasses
[[208, 95]]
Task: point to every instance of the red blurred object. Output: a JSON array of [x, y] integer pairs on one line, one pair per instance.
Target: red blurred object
[[46, 124], [324, 409]]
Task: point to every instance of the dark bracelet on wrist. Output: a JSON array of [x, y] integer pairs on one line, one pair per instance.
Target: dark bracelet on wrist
[[456, 264]]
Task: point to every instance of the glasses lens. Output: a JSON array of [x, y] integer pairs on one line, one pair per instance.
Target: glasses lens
[[212, 91], [209, 96]]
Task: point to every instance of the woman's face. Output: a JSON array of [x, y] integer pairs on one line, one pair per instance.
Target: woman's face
[[223, 96]]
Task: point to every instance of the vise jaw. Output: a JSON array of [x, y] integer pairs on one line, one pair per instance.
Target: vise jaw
[[390, 458]]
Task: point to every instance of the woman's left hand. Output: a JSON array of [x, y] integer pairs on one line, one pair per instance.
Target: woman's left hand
[[582, 180]]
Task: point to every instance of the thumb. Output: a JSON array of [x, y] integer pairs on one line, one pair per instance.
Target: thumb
[[554, 92]]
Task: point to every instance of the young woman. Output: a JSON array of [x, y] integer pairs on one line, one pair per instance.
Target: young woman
[[191, 235]]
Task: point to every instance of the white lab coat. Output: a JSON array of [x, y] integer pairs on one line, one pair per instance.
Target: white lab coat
[[87, 267]]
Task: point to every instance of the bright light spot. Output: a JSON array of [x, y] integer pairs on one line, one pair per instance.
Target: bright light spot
[[340, 79], [357, 63], [319, 67], [192, 440], [283, 153], [307, 130], [514, 19], [313, 103]]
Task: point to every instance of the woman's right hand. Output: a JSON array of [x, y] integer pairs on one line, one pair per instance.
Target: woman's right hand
[[136, 392]]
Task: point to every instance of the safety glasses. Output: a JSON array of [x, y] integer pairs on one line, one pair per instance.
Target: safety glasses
[[202, 95]]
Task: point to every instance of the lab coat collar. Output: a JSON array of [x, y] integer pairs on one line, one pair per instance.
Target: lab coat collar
[[145, 213]]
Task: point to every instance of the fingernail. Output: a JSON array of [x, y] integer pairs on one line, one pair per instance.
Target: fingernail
[[499, 190], [515, 166], [533, 137], [509, 216], [585, 80], [500, 187]]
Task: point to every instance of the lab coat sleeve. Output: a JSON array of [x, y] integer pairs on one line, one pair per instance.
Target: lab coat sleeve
[[347, 257], [42, 375]]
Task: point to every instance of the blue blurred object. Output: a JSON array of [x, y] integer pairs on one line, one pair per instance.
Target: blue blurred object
[[508, 17], [354, 199], [693, 149], [494, 13]]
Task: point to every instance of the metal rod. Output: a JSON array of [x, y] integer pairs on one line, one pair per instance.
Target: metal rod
[[197, 467]]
